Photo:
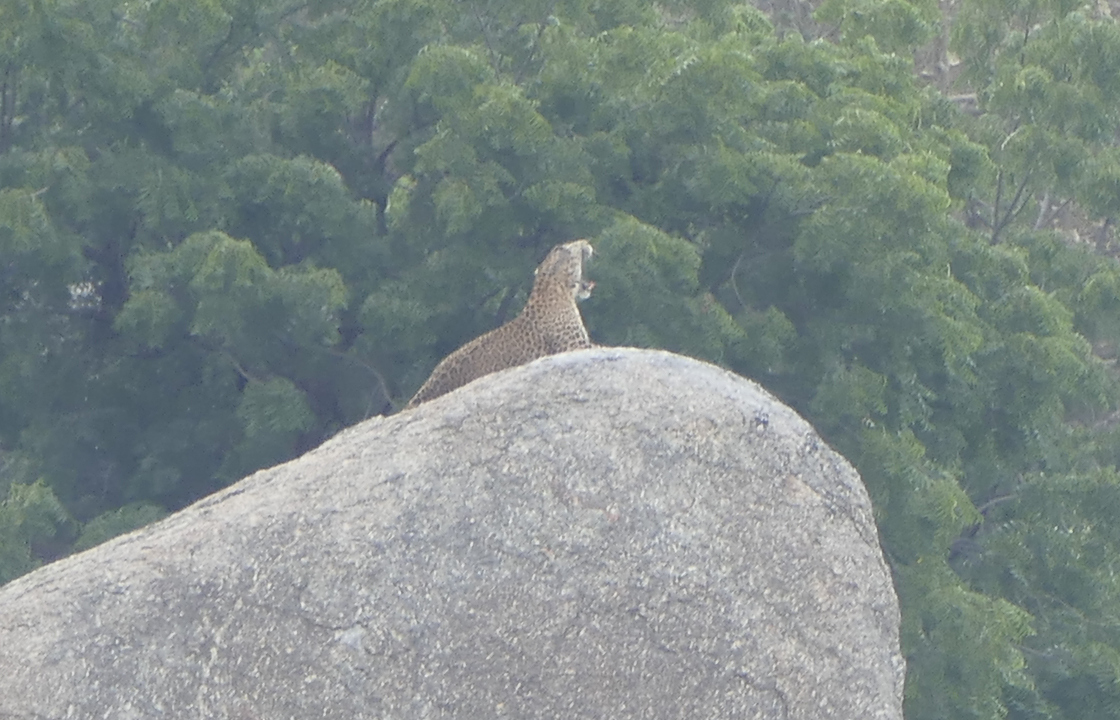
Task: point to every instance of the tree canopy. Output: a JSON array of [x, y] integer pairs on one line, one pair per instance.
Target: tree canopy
[[231, 228]]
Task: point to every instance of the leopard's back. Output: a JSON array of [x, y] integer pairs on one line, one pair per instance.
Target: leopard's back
[[549, 324]]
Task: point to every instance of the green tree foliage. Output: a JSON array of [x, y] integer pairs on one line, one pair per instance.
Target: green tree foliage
[[33, 525], [1044, 72], [231, 228], [115, 522]]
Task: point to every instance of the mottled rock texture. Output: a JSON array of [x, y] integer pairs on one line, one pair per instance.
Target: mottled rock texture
[[608, 533]]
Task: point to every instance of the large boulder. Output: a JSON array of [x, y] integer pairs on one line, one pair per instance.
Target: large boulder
[[608, 533]]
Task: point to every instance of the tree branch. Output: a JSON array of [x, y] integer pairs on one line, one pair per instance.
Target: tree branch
[[1043, 211], [494, 55], [542, 26], [1018, 202], [735, 281], [382, 383], [7, 108], [998, 500]]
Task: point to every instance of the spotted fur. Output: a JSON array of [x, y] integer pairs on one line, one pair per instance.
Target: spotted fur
[[549, 324]]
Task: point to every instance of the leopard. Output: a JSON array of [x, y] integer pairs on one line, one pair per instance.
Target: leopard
[[550, 323]]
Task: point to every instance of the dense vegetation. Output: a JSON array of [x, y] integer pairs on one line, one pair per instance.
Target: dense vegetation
[[230, 228]]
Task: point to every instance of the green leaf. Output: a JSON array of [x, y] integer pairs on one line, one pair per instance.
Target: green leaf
[[117, 522], [274, 407]]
